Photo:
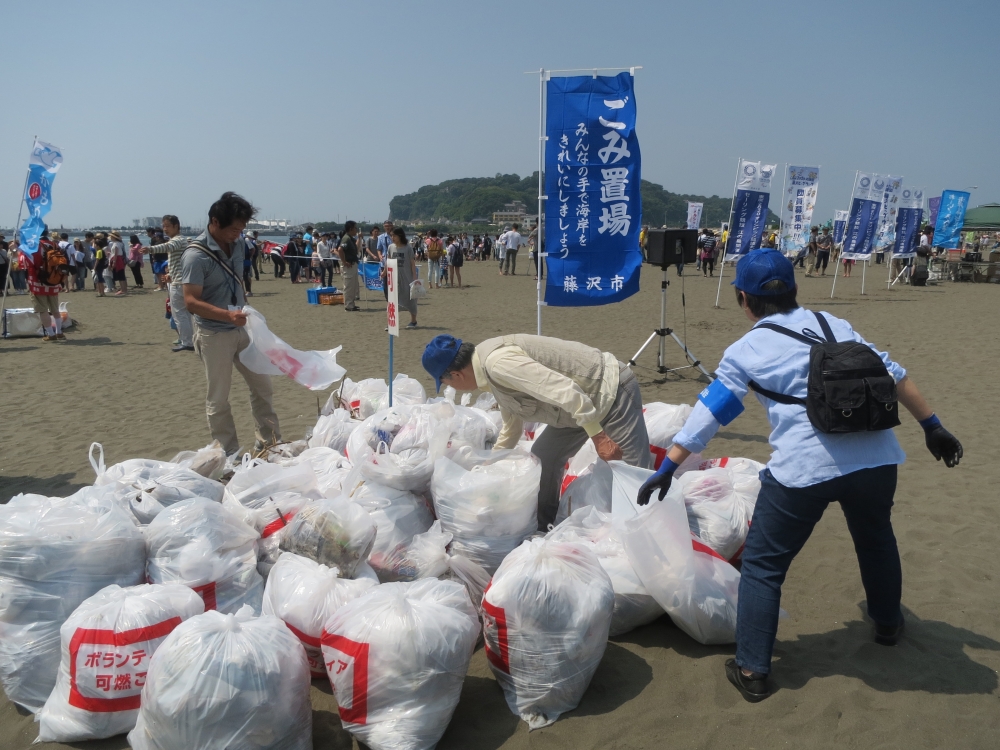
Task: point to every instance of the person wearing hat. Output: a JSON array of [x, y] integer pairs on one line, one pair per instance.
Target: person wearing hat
[[577, 391], [809, 468], [117, 263]]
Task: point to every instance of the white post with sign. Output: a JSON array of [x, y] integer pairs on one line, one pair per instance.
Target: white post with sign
[[391, 310]]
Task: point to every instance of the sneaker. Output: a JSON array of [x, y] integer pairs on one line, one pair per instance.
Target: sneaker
[[754, 688], [48, 338], [411, 325], [889, 635], [183, 349], [61, 336]]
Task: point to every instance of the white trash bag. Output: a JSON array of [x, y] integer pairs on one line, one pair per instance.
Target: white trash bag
[[398, 516], [255, 480], [718, 513], [226, 682], [106, 646], [634, 607], [330, 467], [396, 447], [397, 657], [304, 595], [207, 547], [592, 488], [488, 500], [333, 430], [269, 355], [210, 461], [54, 553], [336, 533], [431, 556], [269, 516], [546, 617], [695, 585], [663, 421]]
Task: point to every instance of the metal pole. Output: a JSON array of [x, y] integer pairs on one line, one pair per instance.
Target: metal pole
[[539, 255], [661, 360], [732, 205], [781, 213], [863, 269], [843, 240], [391, 337]]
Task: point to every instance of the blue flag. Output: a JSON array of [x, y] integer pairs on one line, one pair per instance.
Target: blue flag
[[950, 218], [753, 192], [42, 167], [863, 220], [908, 219], [592, 172], [839, 225], [372, 273]]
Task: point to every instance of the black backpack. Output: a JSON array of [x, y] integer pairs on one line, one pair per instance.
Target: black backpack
[[849, 388]]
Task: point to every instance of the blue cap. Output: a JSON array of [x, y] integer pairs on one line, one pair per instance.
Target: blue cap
[[758, 267], [439, 354]]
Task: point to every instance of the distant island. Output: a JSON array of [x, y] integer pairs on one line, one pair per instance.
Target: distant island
[[474, 200]]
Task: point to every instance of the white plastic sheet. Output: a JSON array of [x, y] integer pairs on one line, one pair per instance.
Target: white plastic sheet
[[431, 556], [634, 606], [692, 582], [488, 500], [106, 646], [54, 553], [305, 594], [398, 517], [336, 533], [210, 461], [209, 548], [663, 421], [397, 658], [221, 682], [546, 617], [269, 355]]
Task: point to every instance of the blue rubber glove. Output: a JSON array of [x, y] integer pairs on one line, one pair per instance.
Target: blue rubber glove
[[660, 480], [940, 442]]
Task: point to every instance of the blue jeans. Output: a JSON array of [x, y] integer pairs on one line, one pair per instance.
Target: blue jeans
[[782, 522]]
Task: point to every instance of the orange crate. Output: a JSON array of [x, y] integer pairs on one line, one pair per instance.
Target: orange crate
[[331, 299]]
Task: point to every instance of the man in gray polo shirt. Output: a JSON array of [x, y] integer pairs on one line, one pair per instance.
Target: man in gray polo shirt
[[214, 295]]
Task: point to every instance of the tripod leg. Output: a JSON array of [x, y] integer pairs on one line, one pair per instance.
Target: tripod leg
[[690, 355], [631, 362]]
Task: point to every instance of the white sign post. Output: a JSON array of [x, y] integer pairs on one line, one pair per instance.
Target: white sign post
[[392, 311]]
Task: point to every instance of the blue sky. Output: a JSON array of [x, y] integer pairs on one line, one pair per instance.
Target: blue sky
[[316, 110]]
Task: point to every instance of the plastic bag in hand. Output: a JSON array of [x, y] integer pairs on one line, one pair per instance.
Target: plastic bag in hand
[[54, 553], [546, 616], [431, 557], [106, 646], [634, 606], [221, 682], [398, 516], [663, 421], [397, 657], [209, 548], [488, 500], [336, 533], [333, 430], [304, 595], [695, 585], [717, 513], [417, 289], [210, 461], [269, 355]]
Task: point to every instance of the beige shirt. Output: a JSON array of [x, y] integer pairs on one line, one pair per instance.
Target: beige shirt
[[512, 368]]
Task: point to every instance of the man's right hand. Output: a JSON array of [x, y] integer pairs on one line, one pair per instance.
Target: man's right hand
[[238, 318]]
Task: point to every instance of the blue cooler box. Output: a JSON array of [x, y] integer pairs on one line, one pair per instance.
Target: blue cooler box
[[312, 295]]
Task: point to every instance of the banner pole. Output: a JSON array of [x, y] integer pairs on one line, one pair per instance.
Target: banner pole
[[539, 254], [10, 262], [391, 337], [781, 213], [864, 268], [843, 240], [732, 204]]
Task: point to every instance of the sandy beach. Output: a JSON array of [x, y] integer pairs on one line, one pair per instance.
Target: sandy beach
[[115, 381]]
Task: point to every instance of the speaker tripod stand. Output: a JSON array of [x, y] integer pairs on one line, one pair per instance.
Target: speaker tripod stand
[[662, 332]]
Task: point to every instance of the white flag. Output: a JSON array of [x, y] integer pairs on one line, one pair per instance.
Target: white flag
[[755, 176], [694, 215], [46, 155]]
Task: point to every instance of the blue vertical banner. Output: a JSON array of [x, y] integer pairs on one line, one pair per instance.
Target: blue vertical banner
[[42, 167], [839, 225], [753, 192], [950, 218], [593, 207], [863, 221], [372, 275], [909, 214]]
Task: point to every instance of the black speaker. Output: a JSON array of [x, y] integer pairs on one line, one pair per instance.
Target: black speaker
[[668, 247]]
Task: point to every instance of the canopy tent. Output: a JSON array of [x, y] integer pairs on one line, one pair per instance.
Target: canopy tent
[[983, 219]]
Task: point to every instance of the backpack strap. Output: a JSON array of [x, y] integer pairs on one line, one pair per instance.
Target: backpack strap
[[224, 266], [827, 331], [787, 332], [781, 398]]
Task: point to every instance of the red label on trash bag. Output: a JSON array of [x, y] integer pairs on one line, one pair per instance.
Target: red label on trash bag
[[347, 667], [276, 525], [495, 618], [314, 654], [107, 669], [658, 455], [207, 594]]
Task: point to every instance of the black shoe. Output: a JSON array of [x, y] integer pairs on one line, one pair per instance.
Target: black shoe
[[353, 309], [183, 349], [889, 635], [753, 689]]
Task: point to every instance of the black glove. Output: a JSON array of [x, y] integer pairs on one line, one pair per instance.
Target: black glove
[[940, 442], [660, 480]]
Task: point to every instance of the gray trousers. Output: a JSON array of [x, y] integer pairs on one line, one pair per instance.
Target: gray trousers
[[557, 445]]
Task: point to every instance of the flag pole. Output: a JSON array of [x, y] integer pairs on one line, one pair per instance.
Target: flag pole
[[732, 204], [781, 213], [539, 255], [843, 240], [17, 233], [864, 268]]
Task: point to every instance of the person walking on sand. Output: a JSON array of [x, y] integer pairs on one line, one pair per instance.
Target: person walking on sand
[[824, 246], [822, 453], [456, 259], [117, 261], [435, 249], [212, 267], [45, 279], [812, 248], [173, 252], [135, 250], [706, 252], [348, 252], [406, 271], [512, 241]]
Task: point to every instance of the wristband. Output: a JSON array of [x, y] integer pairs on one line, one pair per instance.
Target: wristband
[[930, 423], [667, 467]]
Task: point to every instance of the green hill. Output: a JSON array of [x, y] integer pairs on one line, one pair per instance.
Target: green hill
[[473, 197]]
